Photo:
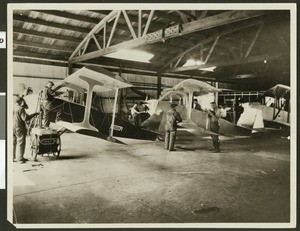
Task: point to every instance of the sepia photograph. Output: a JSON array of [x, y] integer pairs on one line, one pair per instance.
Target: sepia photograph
[[151, 115]]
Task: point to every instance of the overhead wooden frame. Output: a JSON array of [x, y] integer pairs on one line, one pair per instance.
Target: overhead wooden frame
[[146, 38], [174, 62]]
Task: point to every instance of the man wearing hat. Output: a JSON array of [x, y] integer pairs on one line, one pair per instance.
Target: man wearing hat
[[19, 127], [173, 118], [214, 114], [50, 104]]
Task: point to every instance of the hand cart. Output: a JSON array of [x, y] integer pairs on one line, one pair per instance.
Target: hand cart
[[45, 141]]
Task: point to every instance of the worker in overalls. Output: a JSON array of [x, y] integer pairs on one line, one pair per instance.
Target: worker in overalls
[[214, 115], [173, 118], [19, 128], [50, 104]]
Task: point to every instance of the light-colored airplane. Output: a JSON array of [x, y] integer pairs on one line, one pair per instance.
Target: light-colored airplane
[[85, 119], [194, 121], [274, 110]]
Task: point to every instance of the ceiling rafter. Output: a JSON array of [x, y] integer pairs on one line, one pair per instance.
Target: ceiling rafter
[[211, 49], [68, 15], [43, 46], [257, 33], [120, 27], [169, 17], [183, 16], [188, 14], [211, 38], [201, 24], [253, 59], [167, 48], [45, 35], [39, 55], [25, 19], [154, 25], [81, 18], [129, 24], [277, 35]]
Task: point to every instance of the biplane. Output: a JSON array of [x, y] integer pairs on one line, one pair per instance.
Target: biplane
[[194, 121], [275, 107], [85, 119]]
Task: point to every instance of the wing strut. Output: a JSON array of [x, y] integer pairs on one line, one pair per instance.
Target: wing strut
[[86, 121], [114, 113], [190, 105]]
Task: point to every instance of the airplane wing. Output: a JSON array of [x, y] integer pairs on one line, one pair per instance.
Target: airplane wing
[[193, 128], [192, 85], [102, 80], [279, 91], [92, 79]]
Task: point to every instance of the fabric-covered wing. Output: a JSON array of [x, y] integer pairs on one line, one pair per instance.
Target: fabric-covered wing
[[103, 80], [192, 85], [279, 91]]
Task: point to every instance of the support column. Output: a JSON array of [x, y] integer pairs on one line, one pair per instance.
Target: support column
[[120, 69], [158, 84], [70, 68], [217, 94]]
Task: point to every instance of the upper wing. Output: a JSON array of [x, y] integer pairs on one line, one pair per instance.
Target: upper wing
[[192, 85], [279, 91], [102, 80]]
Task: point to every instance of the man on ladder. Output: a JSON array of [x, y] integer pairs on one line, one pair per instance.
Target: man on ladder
[[50, 104]]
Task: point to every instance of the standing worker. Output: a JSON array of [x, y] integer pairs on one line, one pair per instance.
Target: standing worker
[[135, 114], [173, 118], [50, 104], [19, 128], [214, 114]]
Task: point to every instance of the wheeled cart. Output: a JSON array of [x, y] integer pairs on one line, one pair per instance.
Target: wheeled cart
[[45, 141]]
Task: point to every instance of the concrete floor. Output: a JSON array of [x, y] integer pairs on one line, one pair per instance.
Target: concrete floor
[[95, 181]]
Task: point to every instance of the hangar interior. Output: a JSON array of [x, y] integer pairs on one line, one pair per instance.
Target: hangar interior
[[242, 53]]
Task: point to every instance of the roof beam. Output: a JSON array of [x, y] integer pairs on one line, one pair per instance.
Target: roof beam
[[148, 22], [113, 29], [203, 14], [211, 49], [169, 17], [277, 35], [253, 59], [213, 37], [182, 16], [160, 14], [154, 25], [24, 54], [198, 25], [81, 18], [254, 40], [68, 15], [46, 35], [220, 19], [43, 46], [188, 14], [25, 19], [119, 27], [129, 24], [96, 29]]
